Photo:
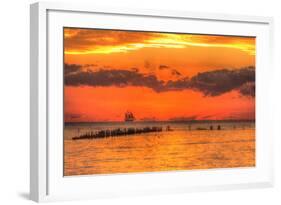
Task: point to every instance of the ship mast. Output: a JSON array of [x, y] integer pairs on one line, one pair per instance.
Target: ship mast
[[129, 117]]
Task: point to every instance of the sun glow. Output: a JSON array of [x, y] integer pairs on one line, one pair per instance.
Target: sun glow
[[107, 45], [157, 75]]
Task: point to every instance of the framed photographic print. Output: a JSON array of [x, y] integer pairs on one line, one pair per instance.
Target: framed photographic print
[[129, 102]]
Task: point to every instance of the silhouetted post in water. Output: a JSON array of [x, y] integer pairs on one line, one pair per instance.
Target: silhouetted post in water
[[167, 128], [219, 127], [189, 127], [211, 127]]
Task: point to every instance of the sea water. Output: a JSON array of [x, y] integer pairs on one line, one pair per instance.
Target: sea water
[[187, 146]]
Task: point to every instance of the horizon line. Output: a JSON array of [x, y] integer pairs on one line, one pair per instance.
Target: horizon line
[[229, 120]]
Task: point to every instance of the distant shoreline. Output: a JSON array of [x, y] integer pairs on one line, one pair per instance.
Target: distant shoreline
[[168, 121]]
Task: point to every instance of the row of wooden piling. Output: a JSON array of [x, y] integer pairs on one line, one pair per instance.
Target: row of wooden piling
[[117, 132]]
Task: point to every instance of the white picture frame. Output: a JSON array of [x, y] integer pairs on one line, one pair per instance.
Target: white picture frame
[[46, 180]]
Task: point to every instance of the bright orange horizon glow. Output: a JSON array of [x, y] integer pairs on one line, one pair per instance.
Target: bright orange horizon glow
[[157, 59]]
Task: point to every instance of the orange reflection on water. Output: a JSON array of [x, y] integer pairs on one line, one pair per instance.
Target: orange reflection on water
[[177, 150]]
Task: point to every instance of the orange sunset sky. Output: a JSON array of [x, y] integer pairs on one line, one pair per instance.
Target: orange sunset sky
[[157, 76]]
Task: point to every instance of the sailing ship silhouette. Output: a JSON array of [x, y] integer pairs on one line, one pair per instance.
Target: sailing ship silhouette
[[129, 117]]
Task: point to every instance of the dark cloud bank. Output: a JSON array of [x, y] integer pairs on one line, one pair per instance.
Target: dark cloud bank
[[211, 83]]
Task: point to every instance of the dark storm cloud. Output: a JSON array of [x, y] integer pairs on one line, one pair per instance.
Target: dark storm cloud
[[211, 83], [71, 68], [135, 69], [119, 78], [217, 82], [89, 65], [181, 84], [166, 67], [175, 72], [162, 67], [248, 89]]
